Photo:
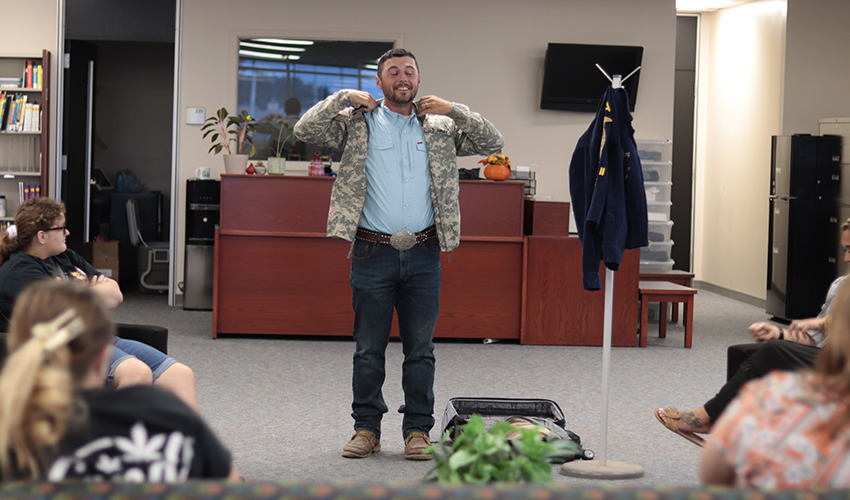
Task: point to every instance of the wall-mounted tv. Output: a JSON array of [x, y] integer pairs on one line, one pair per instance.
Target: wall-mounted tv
[[571, 81]]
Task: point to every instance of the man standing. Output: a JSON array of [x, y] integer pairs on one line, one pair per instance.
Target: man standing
[[396, 199]]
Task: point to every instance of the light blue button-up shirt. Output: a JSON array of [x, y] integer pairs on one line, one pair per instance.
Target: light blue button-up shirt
[[398, 193]]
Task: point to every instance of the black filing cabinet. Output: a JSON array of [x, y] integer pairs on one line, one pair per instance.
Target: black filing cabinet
[[203, 203]]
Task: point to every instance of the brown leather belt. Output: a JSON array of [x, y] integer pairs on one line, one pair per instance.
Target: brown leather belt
[[400, 240]]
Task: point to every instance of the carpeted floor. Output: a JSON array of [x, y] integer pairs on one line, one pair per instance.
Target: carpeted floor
[[282, 405]]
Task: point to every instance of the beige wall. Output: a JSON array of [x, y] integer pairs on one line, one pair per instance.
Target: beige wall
[[740, 75], [766, 68], [816, 64], [30, 38], [487, 54]]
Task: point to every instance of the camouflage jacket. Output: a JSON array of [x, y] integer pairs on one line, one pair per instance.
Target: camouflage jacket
[[461, 133]]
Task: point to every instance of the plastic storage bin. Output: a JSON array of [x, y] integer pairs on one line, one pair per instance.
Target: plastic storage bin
[[658, 211], [657, 251], [660, 231], [657, 172], [657, 191], [660, 151], [648, 266]]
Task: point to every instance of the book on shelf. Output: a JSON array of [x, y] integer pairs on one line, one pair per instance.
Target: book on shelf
[[33, 76], [18, 114], [13, 119], [13, 112], [10, 104], [20, 111], [27, 191]]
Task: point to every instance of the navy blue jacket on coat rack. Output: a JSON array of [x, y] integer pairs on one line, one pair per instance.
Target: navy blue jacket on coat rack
[[606, 187]]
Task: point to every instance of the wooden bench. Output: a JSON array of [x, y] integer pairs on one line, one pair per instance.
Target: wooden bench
[[683, 278], [664, 292]]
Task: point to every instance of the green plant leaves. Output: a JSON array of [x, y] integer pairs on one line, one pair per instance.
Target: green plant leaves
[[460, 459], [218, 128], [502, 453]]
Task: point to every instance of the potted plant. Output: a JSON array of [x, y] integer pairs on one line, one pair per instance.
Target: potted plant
[[222, 128], [277, 164], [502, 453], [498, 166]]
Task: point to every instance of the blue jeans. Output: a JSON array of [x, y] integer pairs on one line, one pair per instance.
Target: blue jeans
[[383, 279], [123, 349]]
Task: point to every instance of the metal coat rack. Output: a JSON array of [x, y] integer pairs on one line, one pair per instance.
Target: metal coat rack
[[602, 468]]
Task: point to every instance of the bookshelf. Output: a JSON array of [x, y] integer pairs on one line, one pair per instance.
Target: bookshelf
[[24, 143]]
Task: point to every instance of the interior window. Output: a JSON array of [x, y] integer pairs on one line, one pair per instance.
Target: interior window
[[280, 79]]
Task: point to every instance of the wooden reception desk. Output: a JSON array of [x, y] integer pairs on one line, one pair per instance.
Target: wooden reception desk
[[277, 273]]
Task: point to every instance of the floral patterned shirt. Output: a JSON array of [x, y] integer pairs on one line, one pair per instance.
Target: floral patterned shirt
[[773, 435]]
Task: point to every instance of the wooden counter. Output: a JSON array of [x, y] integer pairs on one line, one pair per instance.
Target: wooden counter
[[277, 273]]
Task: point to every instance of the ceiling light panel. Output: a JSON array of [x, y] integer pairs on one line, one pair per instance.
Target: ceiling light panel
[[282, 41], [276, 48]]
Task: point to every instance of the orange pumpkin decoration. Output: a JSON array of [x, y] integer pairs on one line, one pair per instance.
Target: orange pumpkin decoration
[[496, 172], [498, 166]]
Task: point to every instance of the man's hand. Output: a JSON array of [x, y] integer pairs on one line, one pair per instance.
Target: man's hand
[[434, 105], [762, 332], [361, 98], [804, 325]]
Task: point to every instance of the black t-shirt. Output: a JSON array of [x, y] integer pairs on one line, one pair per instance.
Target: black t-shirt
[[23, 269], [139, 434]]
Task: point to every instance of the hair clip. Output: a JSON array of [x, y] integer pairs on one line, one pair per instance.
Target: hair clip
[[61, 331]]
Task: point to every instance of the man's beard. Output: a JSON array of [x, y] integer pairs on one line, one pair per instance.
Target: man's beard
[[393, 97]]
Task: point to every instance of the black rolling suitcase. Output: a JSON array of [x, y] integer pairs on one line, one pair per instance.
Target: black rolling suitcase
[[543, 412]]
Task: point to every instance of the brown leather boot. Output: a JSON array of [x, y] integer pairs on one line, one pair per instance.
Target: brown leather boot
[[415, 445], [363, 443]]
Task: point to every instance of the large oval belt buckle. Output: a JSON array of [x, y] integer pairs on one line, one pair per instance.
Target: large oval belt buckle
[[403, 240]]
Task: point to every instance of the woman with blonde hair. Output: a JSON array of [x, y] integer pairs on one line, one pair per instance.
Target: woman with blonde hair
[[789, 429], [34, 249], [57, 420]]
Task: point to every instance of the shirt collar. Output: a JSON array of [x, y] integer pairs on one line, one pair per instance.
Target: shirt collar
[[396, 118]]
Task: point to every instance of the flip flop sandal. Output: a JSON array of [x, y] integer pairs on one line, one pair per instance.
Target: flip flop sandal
[[670, 420]]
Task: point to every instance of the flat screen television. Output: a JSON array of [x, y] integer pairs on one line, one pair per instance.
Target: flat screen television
[[572, 82]]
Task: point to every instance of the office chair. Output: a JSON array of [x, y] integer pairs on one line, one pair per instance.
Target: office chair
[[155, 252]]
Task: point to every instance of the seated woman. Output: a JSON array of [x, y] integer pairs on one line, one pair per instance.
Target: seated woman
[[56, 419], [779, 349], [34, 249], [789, 429]]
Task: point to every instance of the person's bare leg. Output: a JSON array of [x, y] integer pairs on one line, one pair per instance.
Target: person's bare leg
[[696, 420], [180, 379], [131, 372]]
